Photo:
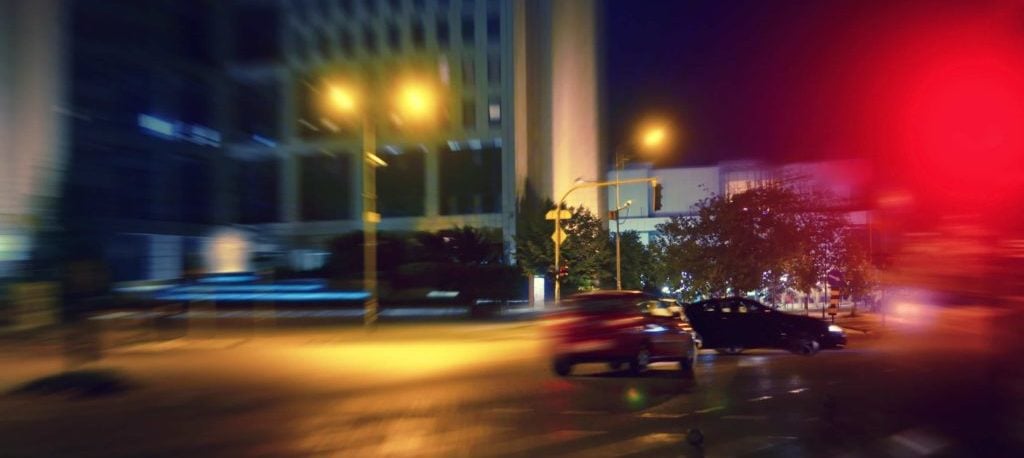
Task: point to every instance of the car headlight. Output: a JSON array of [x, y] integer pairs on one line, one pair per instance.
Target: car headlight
[[834, 328]]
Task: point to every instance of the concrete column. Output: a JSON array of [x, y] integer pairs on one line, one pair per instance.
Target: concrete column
[[32, 120], [432, 184], [289, 170], [356, 183], [289, 189]]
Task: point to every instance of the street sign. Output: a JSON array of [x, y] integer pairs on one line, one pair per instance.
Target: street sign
[[563, 214], [559, 236], [835, 278]]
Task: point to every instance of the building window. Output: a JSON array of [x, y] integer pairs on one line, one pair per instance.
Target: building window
[[493, 29], [419, 38], [394, 38], [468, 31], [494, 111], [419, 5], [370, 7], [369, 40], [396, 6], [469, 114], [494, 68], [468, 6], [323, 43], [256, 34], [443, 36], [468, 71], [347, 43], [347, 6]]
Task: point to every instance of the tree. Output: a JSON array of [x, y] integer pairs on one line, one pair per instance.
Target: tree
[[585, 252], [639, 264], [763, 239]]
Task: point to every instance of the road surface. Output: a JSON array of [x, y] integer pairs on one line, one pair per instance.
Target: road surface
[[465, 389]]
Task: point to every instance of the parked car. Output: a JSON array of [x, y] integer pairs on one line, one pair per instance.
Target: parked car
[[625, 329], [730, 325]]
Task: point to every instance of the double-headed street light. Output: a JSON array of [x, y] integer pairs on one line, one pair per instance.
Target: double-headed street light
[[414, 103], [653, 136]]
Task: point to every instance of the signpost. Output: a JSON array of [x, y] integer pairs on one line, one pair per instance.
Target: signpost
[[835, 283]]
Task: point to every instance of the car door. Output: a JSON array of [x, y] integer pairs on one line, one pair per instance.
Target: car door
[[758, 327], [664, 331], [703, 317], [733, 325]]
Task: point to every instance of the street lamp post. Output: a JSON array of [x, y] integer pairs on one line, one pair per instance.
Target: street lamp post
[[418, 103], [558, 220], [652, 137]]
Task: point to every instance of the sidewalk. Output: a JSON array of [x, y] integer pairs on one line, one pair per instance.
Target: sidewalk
[[864, 322]]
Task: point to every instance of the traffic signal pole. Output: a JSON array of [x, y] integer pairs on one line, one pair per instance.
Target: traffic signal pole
[[558, 220]]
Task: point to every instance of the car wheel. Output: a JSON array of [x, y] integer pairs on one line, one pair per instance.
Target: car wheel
[[640, 361], [616, 365], [730, 350], [686, 364], [806, 346], [562, 367]]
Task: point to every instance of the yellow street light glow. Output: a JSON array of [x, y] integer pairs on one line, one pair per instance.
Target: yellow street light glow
[[653, 137], [342, 99], [417, 102]]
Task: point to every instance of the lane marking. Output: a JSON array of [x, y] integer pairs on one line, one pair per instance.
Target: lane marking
[[663, 415], [797, 391], [634, 446], [710, 409], [527, 443], [759, 399]]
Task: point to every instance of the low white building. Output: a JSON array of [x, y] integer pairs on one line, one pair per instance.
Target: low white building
[[684, 187]]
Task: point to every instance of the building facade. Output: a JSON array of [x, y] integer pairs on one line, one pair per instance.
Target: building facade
[[519, 108], [161, 128], [845, 180]]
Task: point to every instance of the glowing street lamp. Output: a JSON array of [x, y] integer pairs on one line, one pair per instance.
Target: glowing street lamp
[[652, 137], [342, 99], [416, 102]]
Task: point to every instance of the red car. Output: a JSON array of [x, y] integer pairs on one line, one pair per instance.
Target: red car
[[622, 328]]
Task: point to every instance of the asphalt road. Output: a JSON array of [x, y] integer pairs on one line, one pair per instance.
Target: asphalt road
[[464, 389]]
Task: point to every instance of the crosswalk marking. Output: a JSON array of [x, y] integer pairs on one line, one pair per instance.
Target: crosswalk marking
[[635, 445]]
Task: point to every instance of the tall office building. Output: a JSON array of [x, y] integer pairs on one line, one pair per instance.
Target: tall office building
[[520, 108], [160, 123]]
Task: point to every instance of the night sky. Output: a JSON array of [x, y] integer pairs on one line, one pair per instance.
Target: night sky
[[792, 80]]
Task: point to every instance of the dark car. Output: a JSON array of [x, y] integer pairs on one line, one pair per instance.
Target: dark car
[[730, 325], [622, 328]]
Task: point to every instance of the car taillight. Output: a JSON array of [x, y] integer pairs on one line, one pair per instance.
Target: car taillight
[[623, 322]]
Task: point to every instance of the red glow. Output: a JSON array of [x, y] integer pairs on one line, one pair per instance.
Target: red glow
[[951, 109]]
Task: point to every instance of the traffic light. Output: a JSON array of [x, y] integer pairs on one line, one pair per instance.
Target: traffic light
[[613, 215], [657, 196], [563, 272]]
